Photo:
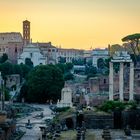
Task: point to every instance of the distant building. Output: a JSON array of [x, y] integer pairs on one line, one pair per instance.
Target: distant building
[[87, 55], [99, 53], [32, 52], [69, 54], [11, 43], [49, 51]]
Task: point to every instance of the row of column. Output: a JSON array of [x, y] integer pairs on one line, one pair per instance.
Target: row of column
[[121, 82]]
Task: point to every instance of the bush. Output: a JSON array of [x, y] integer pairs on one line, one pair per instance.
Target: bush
[[112, 105], [7, 95], [63, 109]]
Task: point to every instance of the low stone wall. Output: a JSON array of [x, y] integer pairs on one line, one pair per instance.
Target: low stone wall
[[98, 121], [131, 118]]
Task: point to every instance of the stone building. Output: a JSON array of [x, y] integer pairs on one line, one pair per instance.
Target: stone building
[[98, 84], [34, 53], [69, 54], [11, 43], [49, 51], [99, 53], [87, 55]]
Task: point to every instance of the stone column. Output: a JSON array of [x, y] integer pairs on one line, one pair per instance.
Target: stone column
[[131, 82], [111, 81], [121, 82]]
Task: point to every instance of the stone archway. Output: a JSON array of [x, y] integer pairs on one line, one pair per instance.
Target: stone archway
[[69, 123]]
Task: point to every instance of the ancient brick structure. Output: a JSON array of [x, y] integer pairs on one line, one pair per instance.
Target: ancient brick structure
[[11, 44]]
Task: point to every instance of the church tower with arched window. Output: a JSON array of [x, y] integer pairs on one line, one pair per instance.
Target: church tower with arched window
[[26, 32]]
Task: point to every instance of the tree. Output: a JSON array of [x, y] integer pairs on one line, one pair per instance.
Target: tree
[[90, 71], [28, 62], [62, 60], [79, 61], [62, 67], [89, 62], [133, 40], [69, 67], [44, 83], [3, 58], [68, 76], [6, 69], [100, 63], [107, 62], [25, 69], [116, 47]]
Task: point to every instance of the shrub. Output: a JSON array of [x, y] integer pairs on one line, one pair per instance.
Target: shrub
[[112, 105], [63, 109]]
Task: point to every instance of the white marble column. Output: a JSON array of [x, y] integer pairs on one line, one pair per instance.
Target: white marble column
[[131, 82], [121, 82], [111, 81]]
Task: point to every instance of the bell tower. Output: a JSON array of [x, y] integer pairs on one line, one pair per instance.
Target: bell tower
[[26, 32]]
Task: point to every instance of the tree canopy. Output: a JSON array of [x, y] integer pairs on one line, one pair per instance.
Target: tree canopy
[[90, 71], [133, 40], [44, 83], [28, 62], [3, 58]]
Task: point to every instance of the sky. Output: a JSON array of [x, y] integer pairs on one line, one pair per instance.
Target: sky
[[73, 23]]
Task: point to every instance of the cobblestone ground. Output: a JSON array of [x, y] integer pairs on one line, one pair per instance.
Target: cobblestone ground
[[34, 133]]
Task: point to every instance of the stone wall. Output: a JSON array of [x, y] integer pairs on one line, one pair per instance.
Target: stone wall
[[131, 118], [99, 121]]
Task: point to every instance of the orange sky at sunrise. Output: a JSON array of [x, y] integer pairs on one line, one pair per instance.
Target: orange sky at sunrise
[[73, 23]]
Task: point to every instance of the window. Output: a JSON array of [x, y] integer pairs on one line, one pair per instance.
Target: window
[[15, 49], [104, 81]]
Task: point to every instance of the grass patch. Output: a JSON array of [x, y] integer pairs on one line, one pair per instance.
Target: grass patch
[[71, 135], [68, 135], [90, 136]]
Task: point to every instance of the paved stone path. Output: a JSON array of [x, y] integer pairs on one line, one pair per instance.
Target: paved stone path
[[34, 133]]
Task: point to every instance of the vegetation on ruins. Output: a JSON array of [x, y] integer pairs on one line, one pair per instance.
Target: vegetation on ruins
[[110, 106]]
